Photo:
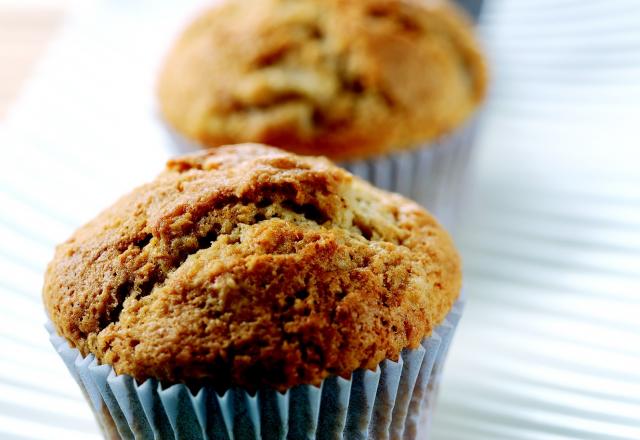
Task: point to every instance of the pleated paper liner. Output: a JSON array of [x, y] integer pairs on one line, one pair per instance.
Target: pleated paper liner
[[393, 402], [433, 174]]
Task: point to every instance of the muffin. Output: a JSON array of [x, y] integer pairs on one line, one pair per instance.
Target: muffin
[[248, 292], [375, 85]]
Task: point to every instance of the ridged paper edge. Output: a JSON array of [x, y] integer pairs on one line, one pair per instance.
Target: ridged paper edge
[[387, 403]]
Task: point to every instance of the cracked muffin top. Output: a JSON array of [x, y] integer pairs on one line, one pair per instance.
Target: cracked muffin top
[[253, 267], [341, 78]]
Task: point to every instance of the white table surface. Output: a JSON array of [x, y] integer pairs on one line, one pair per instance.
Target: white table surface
[[549, 346]]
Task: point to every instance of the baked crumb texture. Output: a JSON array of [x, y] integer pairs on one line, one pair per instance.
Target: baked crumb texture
[[342, 78], [252, 267]]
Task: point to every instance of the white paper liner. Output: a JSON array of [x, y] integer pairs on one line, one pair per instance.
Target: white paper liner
[[433, 174], [393, 402]]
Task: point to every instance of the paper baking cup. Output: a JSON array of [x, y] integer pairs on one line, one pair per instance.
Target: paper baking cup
[[434, 174], [472, 7], [393, 402]]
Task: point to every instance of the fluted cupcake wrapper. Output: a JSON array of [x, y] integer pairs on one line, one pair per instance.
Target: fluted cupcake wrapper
[[393, 402], [434, 174]]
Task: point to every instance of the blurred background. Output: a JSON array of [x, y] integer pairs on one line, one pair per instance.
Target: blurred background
[[549, 346]]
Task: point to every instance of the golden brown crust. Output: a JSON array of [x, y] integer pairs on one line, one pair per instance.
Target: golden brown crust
[[248, 266], [340, 78]]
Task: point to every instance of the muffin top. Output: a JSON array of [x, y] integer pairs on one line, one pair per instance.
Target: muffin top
[[249, 266], [341, 78]]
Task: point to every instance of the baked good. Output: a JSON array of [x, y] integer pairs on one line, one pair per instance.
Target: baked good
[[341, 78], [247, 266]]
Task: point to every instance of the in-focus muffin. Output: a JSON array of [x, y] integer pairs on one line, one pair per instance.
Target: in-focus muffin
[[351, 80], [247, 269]]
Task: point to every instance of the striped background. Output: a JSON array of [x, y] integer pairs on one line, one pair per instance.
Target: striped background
[[549, 347]]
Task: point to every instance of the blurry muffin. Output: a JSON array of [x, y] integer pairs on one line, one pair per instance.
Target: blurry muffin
[[247, 269], [385, 87], [344, 79]]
